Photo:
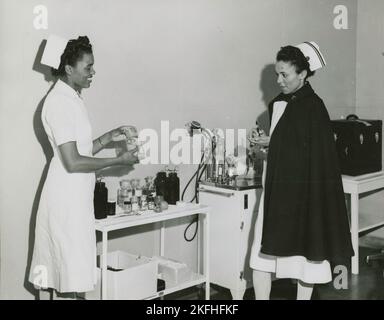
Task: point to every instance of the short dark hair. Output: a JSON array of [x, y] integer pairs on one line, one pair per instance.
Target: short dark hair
[[296, 58], [73, 52]]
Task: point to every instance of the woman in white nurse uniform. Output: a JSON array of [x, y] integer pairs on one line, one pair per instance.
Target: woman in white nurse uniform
[[64, 256], [302, 223]]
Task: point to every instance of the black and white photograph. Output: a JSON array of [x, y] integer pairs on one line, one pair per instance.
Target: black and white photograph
[[195, 155]]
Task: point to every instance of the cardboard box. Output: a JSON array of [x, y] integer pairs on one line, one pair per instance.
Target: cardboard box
[[173, 272], [132, 277]]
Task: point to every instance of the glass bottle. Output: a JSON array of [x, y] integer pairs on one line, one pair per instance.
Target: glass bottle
[[138, 190], [100, 200], [145, 186], [127, 207], [124, 193], [220, 172], [133, 186], [151, 202], [151, 188], [173, 187], [135, 204], [161, 184], [143, 203]]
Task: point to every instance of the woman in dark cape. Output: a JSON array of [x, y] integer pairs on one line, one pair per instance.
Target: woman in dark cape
[[302, 226]]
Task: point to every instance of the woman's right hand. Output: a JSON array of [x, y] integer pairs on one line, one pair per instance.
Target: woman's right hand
[[129, 158]]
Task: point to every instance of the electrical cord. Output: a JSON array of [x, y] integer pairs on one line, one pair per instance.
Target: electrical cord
[[186, 229], [198, 179], [198, 175], [190, 180]]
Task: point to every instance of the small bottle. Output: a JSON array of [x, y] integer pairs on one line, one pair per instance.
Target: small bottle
[[111, 207], [220, 173], [133, 186], [127, 207], [152, 188], [135, 204], [124, 196], [260, 132], [119, 198], [123, 193], [143, 203], [146, 187], [138, 190], [151, 202]]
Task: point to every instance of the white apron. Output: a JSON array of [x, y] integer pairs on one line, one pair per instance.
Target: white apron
[[64, 256], [295, 267]]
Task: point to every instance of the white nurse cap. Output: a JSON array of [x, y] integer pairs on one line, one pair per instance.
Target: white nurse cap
[[54, 48], [312, 52]]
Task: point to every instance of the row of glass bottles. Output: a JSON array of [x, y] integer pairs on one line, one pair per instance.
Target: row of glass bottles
[[136, 204], [133, 197]]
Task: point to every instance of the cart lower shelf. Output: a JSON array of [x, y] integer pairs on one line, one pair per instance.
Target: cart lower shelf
[[195, 280]]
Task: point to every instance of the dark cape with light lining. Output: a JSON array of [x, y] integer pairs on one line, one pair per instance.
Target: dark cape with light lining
[[304, 205]]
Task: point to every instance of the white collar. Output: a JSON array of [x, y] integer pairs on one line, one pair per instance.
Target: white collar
[[66, 89]]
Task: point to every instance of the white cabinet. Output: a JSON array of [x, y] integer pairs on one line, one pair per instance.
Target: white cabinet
[[232, 219]]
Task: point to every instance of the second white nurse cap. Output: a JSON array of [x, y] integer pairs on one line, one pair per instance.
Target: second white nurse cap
[[54, 48], [312, 52]]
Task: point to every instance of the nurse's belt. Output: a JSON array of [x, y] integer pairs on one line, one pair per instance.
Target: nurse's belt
[[312, 52], [54, 48]]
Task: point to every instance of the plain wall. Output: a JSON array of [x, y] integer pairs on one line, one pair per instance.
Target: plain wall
[[369, 90], [176, 60]]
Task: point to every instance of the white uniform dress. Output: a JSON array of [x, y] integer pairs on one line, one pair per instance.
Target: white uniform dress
[[64, 256], [294, 267]]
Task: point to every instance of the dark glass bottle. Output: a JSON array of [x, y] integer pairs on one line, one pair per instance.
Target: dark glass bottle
[[173, 187], [100, 200], [161, 184]]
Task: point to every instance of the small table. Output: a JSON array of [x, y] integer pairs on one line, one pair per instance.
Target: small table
[[355, 185], [121, 222]]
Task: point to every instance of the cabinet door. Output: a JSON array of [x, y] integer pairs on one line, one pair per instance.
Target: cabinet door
[[248, 216], [224, 235]]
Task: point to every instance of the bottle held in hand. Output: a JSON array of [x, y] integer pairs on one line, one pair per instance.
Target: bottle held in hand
[[258, 137], [132, 144]]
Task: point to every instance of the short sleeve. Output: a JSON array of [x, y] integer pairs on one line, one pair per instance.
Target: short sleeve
[[61, 118]]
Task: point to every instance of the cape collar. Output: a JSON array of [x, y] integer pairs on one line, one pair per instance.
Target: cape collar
[[304, 91]]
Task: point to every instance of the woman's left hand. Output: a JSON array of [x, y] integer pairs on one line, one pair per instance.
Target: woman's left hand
[[262, 141], [123, 133]]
